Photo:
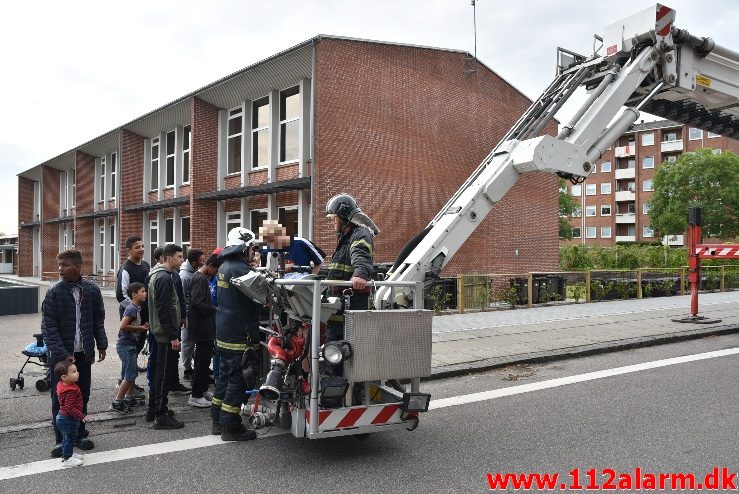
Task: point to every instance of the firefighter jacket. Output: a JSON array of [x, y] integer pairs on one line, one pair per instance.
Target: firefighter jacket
[[164, 305], [237, 320], [353, 256]]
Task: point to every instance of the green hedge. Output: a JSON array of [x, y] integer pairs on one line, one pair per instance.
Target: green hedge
[[627, 256]]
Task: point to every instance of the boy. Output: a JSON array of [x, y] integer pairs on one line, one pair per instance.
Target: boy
[[73, 325], [202, 324], [127, 347], [70, 410]]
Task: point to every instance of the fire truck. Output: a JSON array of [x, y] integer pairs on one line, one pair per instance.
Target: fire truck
[[642, 63]]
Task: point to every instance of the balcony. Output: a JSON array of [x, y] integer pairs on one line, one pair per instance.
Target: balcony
[[625, 173], [625, 195], [625, 218], [625, 151], [625, 238], [671, 146]]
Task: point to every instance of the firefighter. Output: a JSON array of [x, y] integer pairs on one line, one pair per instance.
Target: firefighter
[[237, 336], [353, 259]]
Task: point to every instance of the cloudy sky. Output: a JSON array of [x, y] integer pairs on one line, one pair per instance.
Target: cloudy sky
[[74, 70]]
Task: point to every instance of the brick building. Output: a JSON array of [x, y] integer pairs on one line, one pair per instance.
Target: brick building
[[398, 126], [613, 199]]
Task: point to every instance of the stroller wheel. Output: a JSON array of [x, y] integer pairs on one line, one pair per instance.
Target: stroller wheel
[[12, 384], [21, 382], [42, 386]]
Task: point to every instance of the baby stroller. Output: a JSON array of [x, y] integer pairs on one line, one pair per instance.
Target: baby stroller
[[35, 350]]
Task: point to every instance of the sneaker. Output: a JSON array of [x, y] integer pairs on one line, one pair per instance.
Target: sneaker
[[72, 461], [187, 375], [134, 402], [208, 396], [198, 402], [179, 388], [120, 407], [85, 444], [167, 422], [57, 451], [151, 414]]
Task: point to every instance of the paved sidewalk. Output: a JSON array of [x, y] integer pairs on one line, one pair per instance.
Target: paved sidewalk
[[483, 340]]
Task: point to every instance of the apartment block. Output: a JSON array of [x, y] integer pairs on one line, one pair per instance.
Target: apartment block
[[613, 199], [400, 127]]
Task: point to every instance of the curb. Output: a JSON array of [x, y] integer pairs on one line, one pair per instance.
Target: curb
[[576, 352]]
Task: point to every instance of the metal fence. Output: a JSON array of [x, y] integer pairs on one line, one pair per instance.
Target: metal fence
[[512, 290]]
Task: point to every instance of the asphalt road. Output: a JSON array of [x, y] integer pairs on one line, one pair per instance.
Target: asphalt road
[[677, 418]]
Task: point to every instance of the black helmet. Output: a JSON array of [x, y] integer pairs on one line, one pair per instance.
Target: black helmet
[[343, 206]]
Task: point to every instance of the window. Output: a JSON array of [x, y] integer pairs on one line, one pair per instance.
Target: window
[[647, 162], [101, 245], [185, 229], [577, 190], [257, 218], [605, 232], [694, 134], [260, 133], [631, 208], [113, 169], [186, 155], [590, 232], [671, 159], [645, 208], [233, 220], [63, 194], [605, 210], [590, 189], [711, 135], [647, 139], [647, 185], [647, 232], [605, 188], [73, 173], [169, 178], [101, 180], [631, 164], [577, 212], [715, 151], [576, 232], [669, 137], [154, 168], [113, 256], [169, 231], [589, 210], [605, 166], [288, 217], [153, 238], [235, 129], [289, 124]]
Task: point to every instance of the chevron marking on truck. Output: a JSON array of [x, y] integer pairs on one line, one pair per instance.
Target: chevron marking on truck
[[664, 20], [343, 418]]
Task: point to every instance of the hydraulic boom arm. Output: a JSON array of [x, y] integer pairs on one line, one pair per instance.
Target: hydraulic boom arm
[[649, 65]]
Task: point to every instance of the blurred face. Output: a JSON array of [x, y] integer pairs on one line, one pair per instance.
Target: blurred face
[[137, 252], [278, 240], [69, 271], [72, 376]]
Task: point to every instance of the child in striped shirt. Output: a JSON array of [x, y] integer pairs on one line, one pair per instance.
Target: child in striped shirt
[[70, 410]]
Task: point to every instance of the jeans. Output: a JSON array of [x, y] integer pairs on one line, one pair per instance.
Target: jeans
[[127, 354], [84, 382], [68, 427], [151, 367], [187, 349], [201, 362], [165, 376]]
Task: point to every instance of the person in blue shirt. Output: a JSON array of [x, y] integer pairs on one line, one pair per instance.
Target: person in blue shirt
[[281, 253]]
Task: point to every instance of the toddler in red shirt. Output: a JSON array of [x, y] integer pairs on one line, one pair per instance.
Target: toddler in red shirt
[[70, 410]]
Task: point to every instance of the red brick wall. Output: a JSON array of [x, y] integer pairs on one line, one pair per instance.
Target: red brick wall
[[257, 178], [49, 210], [203, 217], [401, 128], [287, 172], [84, 228], [25, 235], [233, 182], [131, 171]]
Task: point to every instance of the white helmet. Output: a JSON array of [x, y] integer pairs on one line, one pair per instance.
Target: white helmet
[[239, 240]]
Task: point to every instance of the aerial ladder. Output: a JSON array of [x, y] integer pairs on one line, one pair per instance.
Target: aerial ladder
[[648, 65]]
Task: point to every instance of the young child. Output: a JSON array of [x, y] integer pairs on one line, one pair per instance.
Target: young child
[[70, 410], [127, 347]]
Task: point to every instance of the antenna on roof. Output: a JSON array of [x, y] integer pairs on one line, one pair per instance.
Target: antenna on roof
[[474, 25]]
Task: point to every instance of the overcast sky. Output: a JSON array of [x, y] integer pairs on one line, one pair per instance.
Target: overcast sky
[[75, 70]]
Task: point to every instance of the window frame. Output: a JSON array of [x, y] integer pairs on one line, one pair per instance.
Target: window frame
[[154, 165], [113, 174], [185, 243], [711, 135], [645, 207], [576, 232], [588, 188], [112, 244], [230, 215], [604, 186], [591, 208], [234, 114], [610, 209], [284, 121], [168, 223], [666, 135], [153, 244], [170, 161], [644, 162], [186, 145], [610, 231], [101, 180], [690, 134], [255, 131], [587, 232], [603, 166], [644, 185], [101, 245], [577, 187], [644, 138], [644, 230]]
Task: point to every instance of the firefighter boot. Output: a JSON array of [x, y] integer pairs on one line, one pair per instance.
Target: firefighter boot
[[238, 433]]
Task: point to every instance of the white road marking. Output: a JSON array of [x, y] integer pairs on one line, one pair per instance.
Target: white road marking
[[562, 381], [44, 466]]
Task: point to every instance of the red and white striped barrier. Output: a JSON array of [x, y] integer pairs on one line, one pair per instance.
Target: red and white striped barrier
[[344, 418], [717, 251]]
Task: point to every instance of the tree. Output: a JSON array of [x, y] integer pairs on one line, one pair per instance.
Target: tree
[[567, 206], [698, 179]]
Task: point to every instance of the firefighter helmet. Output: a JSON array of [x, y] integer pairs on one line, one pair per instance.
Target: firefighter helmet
[[343, 206]]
